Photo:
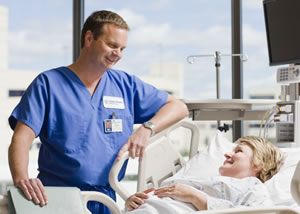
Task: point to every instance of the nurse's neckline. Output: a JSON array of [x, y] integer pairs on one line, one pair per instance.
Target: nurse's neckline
[[92, 87]]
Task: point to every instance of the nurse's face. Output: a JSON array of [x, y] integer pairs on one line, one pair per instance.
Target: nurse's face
[[107, 50], [238, 163]]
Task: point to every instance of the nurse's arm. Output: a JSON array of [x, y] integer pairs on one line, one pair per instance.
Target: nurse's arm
[[18, 157], [170, 113]]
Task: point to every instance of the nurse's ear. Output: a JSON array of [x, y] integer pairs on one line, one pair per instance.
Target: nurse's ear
[[88, 38]]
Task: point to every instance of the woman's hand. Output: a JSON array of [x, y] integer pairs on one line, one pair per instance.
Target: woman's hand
[[179, 192], [184, 193], [137, 199]]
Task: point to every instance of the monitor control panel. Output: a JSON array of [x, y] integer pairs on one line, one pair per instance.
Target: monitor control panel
[[287, 75]]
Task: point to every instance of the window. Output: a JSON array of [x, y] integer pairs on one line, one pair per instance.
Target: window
[[16, 93], [257, 72], [168, 32], [34, 36]]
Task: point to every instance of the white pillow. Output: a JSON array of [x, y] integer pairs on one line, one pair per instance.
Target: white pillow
[[279, 185], [207, 162]]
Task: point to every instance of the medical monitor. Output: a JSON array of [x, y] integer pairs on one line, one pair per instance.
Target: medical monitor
[[282, 19]]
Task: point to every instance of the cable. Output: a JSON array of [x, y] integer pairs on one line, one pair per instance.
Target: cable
[[262, 121], [271, 112], [267, 130]]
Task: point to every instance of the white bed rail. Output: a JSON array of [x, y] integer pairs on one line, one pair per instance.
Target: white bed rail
[[161, 160], [99, 197], [195, 134], [86, 197], [113, 177], [159, 146]]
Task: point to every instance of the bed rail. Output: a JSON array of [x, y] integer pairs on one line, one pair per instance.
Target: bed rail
[[86, 197], [159, 149], [100, 197]]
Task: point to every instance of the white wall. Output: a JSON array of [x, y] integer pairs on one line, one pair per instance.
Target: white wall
[[168, 77], [3, 38]]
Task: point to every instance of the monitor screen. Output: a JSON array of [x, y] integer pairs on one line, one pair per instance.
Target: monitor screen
[[282, 19]]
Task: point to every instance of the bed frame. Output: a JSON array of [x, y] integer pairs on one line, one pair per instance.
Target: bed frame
[[161, 146], [151, 171]]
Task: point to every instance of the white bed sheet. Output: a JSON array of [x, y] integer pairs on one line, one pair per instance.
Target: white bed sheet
[[222, 193]]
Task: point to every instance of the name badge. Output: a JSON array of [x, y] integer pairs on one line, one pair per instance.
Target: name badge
[[113, 102], [113, 125]]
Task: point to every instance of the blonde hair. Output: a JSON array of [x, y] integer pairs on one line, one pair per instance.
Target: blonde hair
[[265, 154]]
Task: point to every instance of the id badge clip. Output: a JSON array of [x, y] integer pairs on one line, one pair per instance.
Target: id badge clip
[[113, 125]]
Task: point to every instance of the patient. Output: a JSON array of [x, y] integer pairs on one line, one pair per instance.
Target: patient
[[240, 183]]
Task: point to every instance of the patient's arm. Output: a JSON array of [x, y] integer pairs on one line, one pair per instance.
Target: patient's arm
[[136, 200], [185, 193]]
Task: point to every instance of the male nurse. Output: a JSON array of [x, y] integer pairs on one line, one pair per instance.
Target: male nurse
[[84, 115]]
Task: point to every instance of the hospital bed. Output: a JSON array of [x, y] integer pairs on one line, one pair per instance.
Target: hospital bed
[[162, 160]]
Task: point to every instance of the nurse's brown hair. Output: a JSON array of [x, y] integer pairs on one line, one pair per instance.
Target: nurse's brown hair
[[98, 19]]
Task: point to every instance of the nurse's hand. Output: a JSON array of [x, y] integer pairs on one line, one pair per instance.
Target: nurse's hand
[[136, 143], [33, 190]]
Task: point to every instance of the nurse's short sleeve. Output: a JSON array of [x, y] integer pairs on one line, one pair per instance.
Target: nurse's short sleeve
[[32, 106], [147, 100]]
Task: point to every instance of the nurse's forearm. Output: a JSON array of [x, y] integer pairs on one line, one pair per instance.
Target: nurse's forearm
[[18, 162], [18, 153], [173, 111], [18, 156]]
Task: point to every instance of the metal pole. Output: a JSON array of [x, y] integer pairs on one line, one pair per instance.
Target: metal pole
[[237, 68], [78, 20], [218, 65], [242, 57]]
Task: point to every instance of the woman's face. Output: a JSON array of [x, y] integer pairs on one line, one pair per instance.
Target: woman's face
[[238, 163]]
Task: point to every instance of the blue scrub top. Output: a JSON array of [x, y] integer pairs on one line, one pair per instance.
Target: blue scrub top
[[70, 122]]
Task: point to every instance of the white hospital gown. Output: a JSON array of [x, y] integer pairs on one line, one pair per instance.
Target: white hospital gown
[[222, 192]]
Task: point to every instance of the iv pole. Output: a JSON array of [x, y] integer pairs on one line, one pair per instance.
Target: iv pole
[[191, 59]]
